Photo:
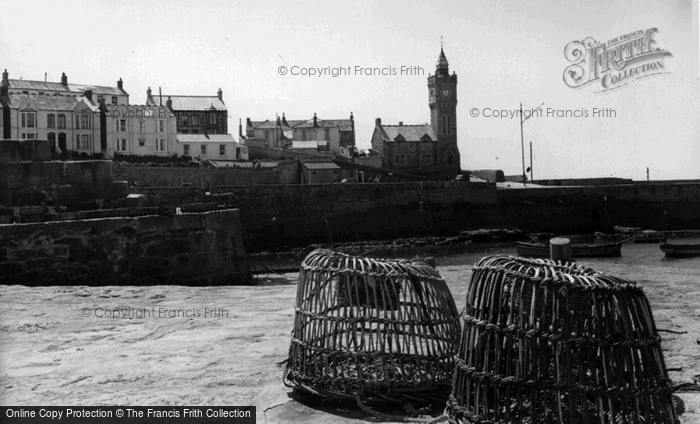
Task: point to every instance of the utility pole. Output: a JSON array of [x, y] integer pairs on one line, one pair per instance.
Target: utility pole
[[647, 173], [531, 177], [522, 138], [522, 142]]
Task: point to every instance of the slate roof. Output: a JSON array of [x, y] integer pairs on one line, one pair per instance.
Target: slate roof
[[343, 124], [57, 86], [319, 165], [22, 101], [409, 132], [189, 102], [205, 138]]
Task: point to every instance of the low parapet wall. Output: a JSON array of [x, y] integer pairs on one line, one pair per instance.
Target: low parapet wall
[[188, 249]]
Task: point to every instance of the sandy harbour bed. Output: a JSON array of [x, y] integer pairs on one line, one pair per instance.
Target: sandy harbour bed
[[226, 350]]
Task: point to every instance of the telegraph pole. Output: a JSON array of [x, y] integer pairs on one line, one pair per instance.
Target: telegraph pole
[[522, 142], [531, 177]]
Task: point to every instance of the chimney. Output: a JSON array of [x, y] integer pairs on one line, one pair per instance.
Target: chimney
[[88, 94], [248, 123], [160, 97], [284, 120], [220, 94], [401, 123], [120, 84], [352, 118], [64, 80], [240, 128], [169, 103], [378, 122], [5, 77], [315, 120], [148, 94]]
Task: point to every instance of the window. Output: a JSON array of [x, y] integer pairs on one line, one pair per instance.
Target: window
[[222, 150], [28, 119], [121, 144], [84, 142], [212, 117], [326, 134], [204, 149], [400, 159], [195, 120], [50, 120], [114, 100], [195, 131], [160, 145], [426, 159], [121, 125], [186, 149], [161, 126], [83, 121], [185, 120], [450, 157], [61, 121], [142, 141], [142, 126], [28, 136], [312, 134]]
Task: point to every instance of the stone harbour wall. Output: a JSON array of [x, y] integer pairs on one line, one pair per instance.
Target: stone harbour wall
[[188, 249]]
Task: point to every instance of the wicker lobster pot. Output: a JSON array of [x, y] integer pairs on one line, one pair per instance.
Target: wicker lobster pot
[[372, 329], [546, 343]]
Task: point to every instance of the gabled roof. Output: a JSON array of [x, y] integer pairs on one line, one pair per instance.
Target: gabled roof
[[408, 132], [319, 124], [57, 86], [205, 138], [49, 103], [342, 124], [189, 102]]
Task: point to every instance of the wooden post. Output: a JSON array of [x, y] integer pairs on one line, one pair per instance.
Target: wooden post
[[560, 249]]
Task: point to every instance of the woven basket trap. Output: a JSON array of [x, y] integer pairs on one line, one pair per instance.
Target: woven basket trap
[[372, 329], [550, 343]]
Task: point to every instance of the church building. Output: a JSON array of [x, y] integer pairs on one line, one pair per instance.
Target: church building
[[427, 149]]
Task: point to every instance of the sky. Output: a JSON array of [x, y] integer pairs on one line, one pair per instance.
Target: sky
[[504, 53]]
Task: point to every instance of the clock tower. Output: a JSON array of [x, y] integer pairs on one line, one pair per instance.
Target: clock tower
[[442, 88]]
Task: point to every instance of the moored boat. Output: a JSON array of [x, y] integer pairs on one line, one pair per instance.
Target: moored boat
[[678, 250], [541, 250]]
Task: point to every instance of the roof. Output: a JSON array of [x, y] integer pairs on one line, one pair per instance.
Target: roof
[[57, 86], [409, 132], [319, 165], [205, 138], [22, 101], [189, 102], [342, 124]]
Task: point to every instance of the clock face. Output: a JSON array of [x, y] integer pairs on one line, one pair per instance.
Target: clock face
[[446, 93]]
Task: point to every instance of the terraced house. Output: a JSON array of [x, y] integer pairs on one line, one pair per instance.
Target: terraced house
[[194, 114]]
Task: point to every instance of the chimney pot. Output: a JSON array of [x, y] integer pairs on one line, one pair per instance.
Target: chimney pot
[[120, 84], [64, 79], [378, 122], [220, 94]]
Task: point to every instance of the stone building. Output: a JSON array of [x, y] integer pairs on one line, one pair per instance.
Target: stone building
[[429, 149], [194, 114], [219, 147], [314, 134], [111, 95], [140, 130]]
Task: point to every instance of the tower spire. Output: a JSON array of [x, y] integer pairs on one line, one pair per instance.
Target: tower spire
[[442, 67]]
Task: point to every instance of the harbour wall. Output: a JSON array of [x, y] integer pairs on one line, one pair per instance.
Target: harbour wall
[[189, 249], [294, 215]]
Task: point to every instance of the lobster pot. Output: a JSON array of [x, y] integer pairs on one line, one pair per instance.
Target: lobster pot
[[372, 329], [550, 343]]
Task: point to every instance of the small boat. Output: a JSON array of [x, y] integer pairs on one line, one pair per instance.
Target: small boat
[[680, 250], [541, 250]]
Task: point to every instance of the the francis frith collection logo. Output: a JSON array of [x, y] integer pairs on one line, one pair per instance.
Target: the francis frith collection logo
[[615, 63]]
